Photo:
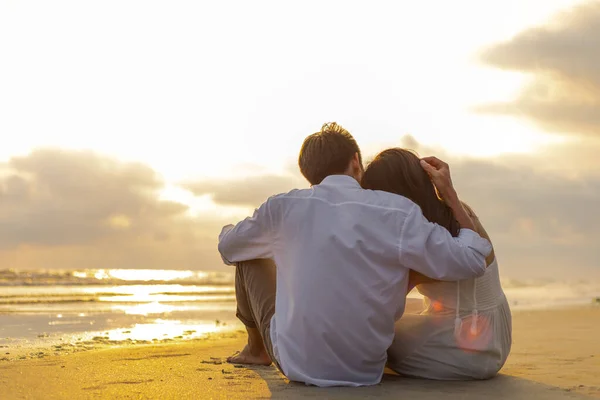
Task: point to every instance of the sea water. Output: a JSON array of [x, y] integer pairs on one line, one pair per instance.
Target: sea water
[[90, 307]]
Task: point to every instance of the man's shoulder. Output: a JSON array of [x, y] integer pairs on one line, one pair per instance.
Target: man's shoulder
[[372, 198], [384, 199], [376, 198], [294, 193]]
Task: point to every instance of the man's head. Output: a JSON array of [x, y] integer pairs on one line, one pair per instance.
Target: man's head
[[332, 151]]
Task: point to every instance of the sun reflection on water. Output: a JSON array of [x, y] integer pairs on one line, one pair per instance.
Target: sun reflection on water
[[92, 308], [142, 275], [147, 308], [148, 274]]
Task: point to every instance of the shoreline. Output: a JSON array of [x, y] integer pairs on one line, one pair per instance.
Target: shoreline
[[555, 355], [25, 350], [59, 347]]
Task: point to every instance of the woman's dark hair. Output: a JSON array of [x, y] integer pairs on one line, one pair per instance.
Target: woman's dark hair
[[399, 171]]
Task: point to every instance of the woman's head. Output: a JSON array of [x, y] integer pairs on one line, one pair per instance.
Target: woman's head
[[399, 171]]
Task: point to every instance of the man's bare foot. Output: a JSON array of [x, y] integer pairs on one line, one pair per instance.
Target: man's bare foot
[[246, 357]]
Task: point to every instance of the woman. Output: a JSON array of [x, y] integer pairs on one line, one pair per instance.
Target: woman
[[465, 330]]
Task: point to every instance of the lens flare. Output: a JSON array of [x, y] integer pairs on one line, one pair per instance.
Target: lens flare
[[437, 306], [474, 333]]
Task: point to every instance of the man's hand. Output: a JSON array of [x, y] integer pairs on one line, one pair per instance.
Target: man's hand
[[439, 172]]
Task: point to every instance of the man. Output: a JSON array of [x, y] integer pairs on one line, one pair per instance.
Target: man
[[331, 264]]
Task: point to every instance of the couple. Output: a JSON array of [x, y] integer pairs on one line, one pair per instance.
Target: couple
[[322, 273]]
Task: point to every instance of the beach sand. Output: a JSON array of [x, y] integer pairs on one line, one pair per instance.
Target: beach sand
[[556, 355]]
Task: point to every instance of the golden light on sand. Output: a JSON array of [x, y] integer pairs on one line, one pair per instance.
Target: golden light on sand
[[164, 329]]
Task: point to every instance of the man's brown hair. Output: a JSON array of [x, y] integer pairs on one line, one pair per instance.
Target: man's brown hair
[[327, 152]]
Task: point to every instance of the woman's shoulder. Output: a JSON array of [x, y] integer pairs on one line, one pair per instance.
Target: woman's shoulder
[[480, 230], [469, 210]]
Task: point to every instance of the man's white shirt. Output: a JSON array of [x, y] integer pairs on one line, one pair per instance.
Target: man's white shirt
[[343, 256]]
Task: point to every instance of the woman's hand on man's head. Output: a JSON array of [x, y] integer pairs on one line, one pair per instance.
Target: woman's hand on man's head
[[439, 172]]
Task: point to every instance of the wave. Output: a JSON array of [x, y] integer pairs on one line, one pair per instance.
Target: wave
[[93, 299], [48, 301], [106, 277], [12, 277], [46, 295]]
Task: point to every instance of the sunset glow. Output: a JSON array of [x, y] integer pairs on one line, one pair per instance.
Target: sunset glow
[[230, 199], [131, 147]]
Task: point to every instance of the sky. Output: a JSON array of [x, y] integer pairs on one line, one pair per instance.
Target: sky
[[132, 131]]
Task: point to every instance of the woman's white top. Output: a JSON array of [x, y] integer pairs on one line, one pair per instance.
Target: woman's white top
[[465, 331]]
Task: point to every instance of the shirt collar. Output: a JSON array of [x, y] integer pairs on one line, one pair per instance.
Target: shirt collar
[[340, 180]]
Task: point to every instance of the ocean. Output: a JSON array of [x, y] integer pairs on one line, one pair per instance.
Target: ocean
[[74, 310]]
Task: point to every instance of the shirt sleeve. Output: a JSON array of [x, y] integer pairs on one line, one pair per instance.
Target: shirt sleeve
[[250, 239], [431, 250]]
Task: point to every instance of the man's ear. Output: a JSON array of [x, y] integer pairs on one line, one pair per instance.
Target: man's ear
[[357, 167], [356, 161]]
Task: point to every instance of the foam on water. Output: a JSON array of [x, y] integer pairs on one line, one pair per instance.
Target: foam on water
[[11, 277]]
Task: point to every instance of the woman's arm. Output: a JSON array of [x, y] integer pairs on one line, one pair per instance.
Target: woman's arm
[[480, 230]]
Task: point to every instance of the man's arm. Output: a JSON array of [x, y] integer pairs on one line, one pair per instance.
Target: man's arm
[[430, 249], [250, 239], [416, 278]]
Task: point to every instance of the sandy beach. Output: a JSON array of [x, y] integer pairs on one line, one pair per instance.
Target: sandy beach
[[556, 355]]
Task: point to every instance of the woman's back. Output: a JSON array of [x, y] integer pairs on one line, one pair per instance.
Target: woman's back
[[481, 294], [465, 332], [442, 344]]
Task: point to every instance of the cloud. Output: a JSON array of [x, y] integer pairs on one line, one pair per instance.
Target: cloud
[[69, 209], [563, 58], [252, 191], [543, 222], [56, 197], [248, 191]]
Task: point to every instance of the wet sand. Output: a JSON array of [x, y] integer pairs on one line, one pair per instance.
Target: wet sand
[[556, 355]]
